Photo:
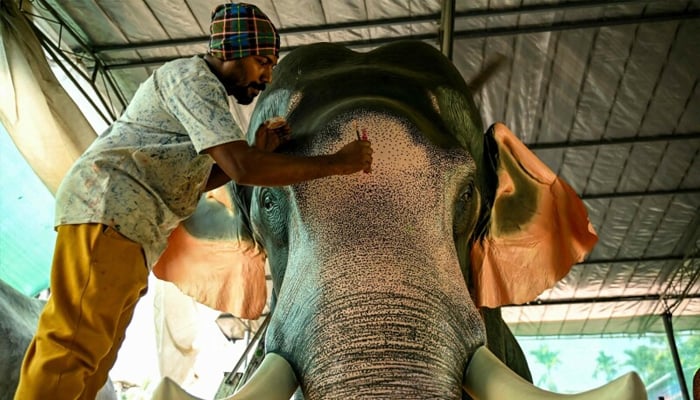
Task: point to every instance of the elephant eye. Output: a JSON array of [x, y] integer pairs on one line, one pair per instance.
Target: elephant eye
[[268, 216], [268, 201], [466, 210], [467, 194]]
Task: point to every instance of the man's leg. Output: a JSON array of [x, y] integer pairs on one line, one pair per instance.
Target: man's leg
[[108, 362], [97, 276]]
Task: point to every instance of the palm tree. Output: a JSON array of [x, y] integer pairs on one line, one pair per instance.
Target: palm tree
[[689, 349], [606, 365], [653, 362], [650, 362], [549, 359]]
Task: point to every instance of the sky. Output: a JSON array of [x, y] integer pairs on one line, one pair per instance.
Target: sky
[[578, 359]]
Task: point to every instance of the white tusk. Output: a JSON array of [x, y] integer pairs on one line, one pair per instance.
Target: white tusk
[[273, 380], [488, 378], [168, 389]]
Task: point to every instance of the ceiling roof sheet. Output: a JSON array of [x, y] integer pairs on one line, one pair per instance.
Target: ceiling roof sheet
[[605, 92]]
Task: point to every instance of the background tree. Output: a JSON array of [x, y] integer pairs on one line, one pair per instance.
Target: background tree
[[654, 361], [605, 365], [549, 359], [689, 352], [651, 362]]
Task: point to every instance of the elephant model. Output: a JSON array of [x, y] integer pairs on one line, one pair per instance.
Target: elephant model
[[387, 284]]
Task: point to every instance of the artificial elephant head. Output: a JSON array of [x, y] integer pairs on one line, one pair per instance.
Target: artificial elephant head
[[383, 281], [371, 272]]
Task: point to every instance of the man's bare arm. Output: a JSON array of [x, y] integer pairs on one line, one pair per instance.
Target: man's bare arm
[[266, 139], [217, 177], [248, 165]]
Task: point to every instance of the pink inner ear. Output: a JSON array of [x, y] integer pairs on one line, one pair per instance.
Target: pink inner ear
[[226, 275], [515, 267]]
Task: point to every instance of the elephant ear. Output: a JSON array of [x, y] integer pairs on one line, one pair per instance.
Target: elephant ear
[[212, 257], [538, 228]]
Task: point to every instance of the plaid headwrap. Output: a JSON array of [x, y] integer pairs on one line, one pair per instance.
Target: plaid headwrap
[[240, 30]]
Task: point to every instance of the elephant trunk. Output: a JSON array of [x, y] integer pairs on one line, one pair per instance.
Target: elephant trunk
[[376, 327]]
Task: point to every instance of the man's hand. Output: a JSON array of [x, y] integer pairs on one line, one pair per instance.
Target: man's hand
[[353, 157], [268, 139]]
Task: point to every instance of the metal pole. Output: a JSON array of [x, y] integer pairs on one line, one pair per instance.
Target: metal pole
[[244, 357], [447, 27], [668, 324], [55, 49]]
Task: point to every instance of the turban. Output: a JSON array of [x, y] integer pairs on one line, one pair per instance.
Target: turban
[[240, 30]]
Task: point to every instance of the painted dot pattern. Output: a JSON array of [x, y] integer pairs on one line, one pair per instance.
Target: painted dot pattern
[[373, 303]]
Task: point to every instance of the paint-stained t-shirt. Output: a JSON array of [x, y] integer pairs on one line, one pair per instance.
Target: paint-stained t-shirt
[[146, 173]]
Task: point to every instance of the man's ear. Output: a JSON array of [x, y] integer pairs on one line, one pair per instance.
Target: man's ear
[[537, 230], [212, 258]]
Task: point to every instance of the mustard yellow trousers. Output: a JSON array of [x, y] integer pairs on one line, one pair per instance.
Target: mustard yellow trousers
[[97, 277]]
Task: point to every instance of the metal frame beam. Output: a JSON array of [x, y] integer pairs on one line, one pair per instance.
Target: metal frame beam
[[614, 141], [416, 19], [447, 28], [61, 60], [634, 260], [465, 34], [612, 299], [621, 195], [55, 50]]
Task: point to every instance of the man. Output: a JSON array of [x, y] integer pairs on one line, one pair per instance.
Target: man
[[120, 201]]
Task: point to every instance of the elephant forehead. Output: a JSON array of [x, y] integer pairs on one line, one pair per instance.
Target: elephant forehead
[[410, 175], [400, 149]]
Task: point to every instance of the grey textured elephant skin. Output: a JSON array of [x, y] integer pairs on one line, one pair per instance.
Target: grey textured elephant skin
[[20, 315], [370, 271]]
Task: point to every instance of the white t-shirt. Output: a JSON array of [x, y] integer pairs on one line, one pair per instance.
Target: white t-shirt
[[146, 173]]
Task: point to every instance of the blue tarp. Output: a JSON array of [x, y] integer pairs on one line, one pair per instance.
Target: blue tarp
[[26, 227]]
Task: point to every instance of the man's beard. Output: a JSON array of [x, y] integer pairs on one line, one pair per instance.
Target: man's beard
[[240, 93]]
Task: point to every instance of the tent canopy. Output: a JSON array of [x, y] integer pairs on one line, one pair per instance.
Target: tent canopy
[[605, 92]]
